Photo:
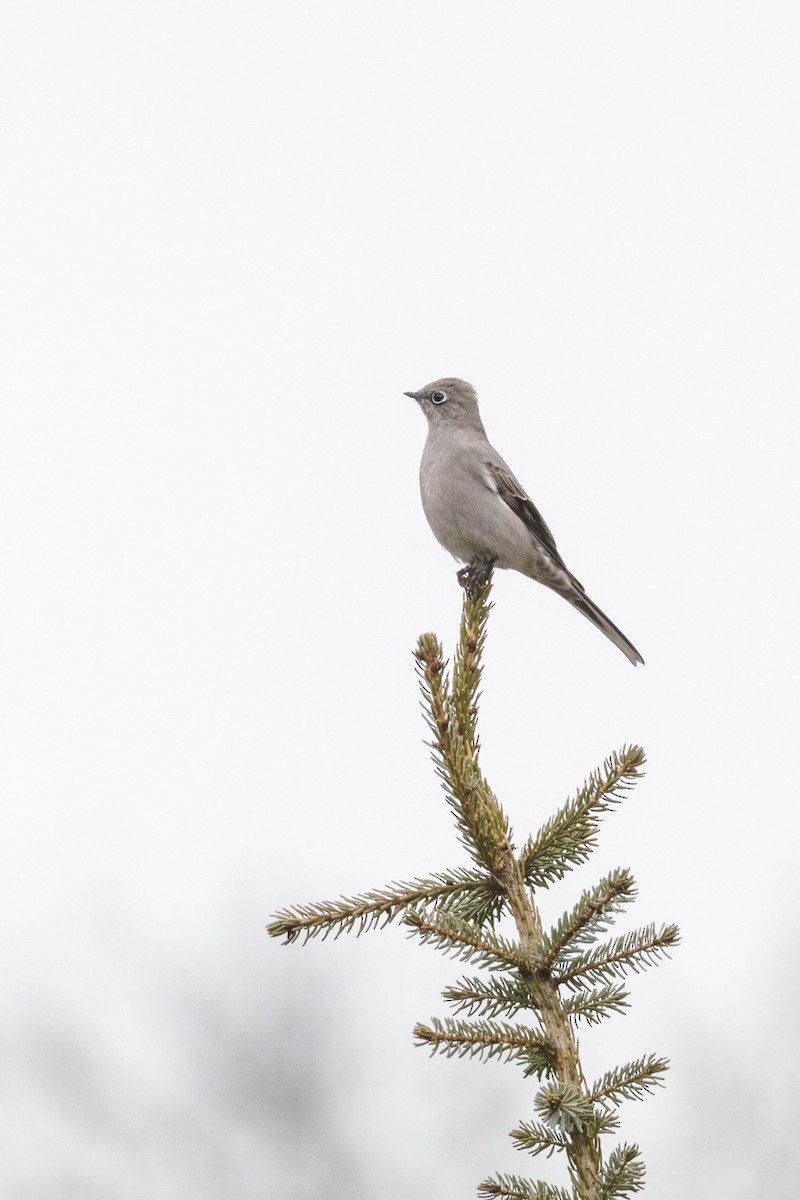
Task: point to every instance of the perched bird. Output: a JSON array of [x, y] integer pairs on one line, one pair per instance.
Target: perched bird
[[480, 513]]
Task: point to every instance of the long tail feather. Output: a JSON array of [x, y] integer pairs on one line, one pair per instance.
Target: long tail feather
[[594, 614]]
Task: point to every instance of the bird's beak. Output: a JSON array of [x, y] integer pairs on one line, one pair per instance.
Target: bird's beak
[[413, 395]]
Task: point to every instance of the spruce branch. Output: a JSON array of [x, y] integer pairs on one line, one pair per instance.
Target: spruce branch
[[538, 1138], [631, 1082], [605, 1121], [371, 909], [593, 1006], [466, 941], [564, 1107], [488, 997], [488, 1039], [591, 915], [480, 905], [512, 1187], [623, 1175], [632, 952], [569, 837]]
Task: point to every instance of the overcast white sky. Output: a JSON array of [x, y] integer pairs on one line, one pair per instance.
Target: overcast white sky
[[233, 236]]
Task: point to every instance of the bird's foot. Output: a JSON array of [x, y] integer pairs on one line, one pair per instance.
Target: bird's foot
[[475, 575]]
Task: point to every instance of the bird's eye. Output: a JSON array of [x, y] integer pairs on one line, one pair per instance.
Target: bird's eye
[[438, 397]]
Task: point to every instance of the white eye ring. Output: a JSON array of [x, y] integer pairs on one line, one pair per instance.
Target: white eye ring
[[438, 397]]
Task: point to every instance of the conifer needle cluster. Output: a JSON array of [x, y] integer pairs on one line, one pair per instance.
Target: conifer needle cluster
[[552, 978]]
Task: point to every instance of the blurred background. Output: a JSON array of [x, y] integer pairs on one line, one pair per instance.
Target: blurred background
[[233, 236]]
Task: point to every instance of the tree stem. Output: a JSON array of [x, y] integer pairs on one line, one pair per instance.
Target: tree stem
[[584, 1148]]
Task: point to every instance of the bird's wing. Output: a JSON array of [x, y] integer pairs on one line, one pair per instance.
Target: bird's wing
[[509, 489]]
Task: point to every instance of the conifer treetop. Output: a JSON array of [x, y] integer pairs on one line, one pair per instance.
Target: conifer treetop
[[539, 984]]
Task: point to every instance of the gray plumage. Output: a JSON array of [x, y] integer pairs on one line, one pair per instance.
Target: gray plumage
[[478, 510]]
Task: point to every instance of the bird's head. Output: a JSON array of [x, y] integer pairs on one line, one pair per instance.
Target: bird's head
[[448, 401]]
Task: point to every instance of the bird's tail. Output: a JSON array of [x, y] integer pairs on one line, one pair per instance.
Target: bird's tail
[[579, 600]]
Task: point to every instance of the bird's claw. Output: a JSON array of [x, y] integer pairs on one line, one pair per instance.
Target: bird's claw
[[474, 577]]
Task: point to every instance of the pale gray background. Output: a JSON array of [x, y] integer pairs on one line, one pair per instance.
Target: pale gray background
[[233, 235]]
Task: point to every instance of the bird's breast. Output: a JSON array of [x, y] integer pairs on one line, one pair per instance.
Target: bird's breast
[[457, 501]]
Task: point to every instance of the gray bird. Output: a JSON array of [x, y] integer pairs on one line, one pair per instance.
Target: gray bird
[[478, 511]]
